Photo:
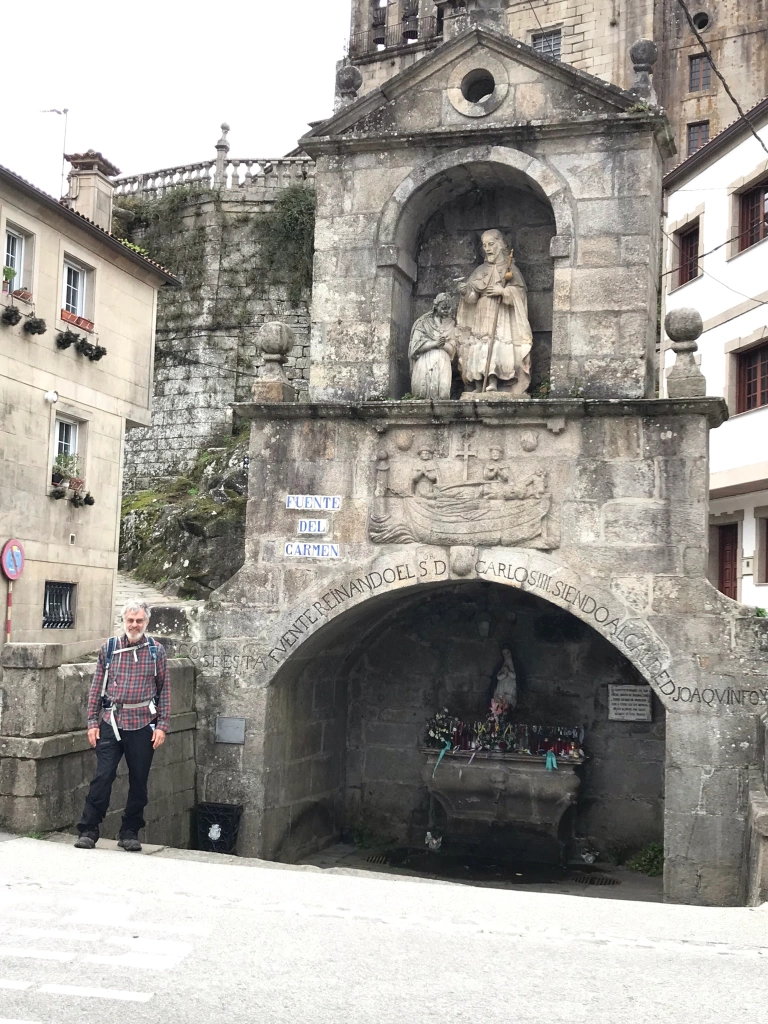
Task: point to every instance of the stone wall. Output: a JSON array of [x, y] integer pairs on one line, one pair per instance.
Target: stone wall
[[46, 764], [205, 354]]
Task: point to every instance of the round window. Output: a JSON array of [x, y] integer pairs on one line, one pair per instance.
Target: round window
[[477, 85], [701, 20]]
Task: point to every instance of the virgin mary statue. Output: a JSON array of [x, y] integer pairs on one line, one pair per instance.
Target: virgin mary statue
[[495, 293]]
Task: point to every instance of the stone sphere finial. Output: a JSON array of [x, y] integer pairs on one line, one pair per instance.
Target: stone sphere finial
[[684, 326], [644, 54], [275, 340], [348, 81], [223, 143], [685, 380]]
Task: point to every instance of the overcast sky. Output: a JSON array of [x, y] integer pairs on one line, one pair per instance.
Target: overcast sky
[[148, 84]]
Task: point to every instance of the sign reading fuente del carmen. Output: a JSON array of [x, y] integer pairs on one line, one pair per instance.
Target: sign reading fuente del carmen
[[312, 526], [313, 502], [629, 703], [311, 549]]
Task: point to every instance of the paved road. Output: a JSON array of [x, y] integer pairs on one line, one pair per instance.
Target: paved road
[[118, 937]]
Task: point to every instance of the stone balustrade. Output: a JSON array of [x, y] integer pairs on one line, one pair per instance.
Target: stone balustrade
[[231, 175]]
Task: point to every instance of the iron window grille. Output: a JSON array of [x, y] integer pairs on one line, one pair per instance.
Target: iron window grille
[[753, 216], [752, 391], [698, 136], [59, 605], [547, 43], [699, 73], [688, 246]]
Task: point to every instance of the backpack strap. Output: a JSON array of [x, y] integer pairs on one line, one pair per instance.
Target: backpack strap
[[111, 645], [154, 707]]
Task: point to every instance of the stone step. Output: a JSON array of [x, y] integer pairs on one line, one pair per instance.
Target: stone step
[[128, 586]]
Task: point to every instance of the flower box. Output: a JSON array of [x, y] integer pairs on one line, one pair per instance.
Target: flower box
[[70, 318], [83, 324], [22, 294]]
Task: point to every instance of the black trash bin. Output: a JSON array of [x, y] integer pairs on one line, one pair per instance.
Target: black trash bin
[[216, 826]]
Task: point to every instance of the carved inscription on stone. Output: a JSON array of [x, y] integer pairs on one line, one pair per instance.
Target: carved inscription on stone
[[472, 495]]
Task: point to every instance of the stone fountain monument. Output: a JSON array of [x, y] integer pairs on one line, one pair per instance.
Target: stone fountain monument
[[482, 456]]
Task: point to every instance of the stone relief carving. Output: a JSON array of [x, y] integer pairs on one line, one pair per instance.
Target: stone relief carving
[[465, 498]]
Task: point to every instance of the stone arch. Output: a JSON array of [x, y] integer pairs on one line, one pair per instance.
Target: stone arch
[[424, 183], [429, 228], [304, 630], [326, 706]]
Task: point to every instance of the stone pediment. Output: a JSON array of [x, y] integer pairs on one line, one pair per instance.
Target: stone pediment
[[479, 80]]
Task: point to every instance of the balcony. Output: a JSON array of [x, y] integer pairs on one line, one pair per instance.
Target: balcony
[[381, 37]]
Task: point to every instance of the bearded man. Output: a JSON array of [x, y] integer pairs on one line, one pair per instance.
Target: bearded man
[[129, 707], [495, 293]]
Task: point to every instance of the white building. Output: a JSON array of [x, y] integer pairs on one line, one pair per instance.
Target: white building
[[716, 260]]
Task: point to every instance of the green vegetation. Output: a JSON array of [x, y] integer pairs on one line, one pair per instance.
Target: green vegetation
[[649, 861], [287, 234], [180, 533], [761, 613]]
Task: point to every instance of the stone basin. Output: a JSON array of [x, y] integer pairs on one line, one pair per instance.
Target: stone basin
[[504, 789]]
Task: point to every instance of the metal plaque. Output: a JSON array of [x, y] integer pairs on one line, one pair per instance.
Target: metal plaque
[[629, 703], [229, 730]]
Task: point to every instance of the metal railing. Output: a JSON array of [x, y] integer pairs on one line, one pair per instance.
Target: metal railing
[[408, 31]]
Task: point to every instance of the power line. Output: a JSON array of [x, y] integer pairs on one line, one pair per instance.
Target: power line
[[706, 273], [707, 253], [715, 68]]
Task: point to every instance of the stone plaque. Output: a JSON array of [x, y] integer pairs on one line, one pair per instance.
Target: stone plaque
[[313, 526], [629, 704], [229, 730], [302, 549], [313, 502]]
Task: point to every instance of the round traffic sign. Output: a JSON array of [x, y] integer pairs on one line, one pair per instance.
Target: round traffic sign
[[12, 559]]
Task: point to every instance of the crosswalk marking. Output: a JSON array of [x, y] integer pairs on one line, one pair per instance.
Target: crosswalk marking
[[18, 986], [136, 961], [96, 993], [36, 954], [55, 933]]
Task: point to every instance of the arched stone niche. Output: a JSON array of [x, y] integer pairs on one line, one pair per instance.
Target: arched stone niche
[[429, 236], [344, 727]]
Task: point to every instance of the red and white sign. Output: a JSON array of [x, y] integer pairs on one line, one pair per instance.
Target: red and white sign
[[12, 559]]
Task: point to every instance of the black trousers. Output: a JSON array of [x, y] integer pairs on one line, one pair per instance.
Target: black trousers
[[136, 745]]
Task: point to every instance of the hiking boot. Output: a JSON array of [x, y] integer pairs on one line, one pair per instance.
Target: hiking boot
[[87, 840], [129, 842]]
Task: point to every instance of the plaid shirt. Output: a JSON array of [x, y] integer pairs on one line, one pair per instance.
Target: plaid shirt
[[131, 681]]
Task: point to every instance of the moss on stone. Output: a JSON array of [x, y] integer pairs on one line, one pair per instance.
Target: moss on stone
[[189, 532]]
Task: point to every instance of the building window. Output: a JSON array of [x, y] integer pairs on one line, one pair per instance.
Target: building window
[[547, 43], [753, 216], [14, 258], [74, 289], [752, 391], [66, 437], [59, 605], [699, 73], [688, 254], [698, 136], [728, 560]]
